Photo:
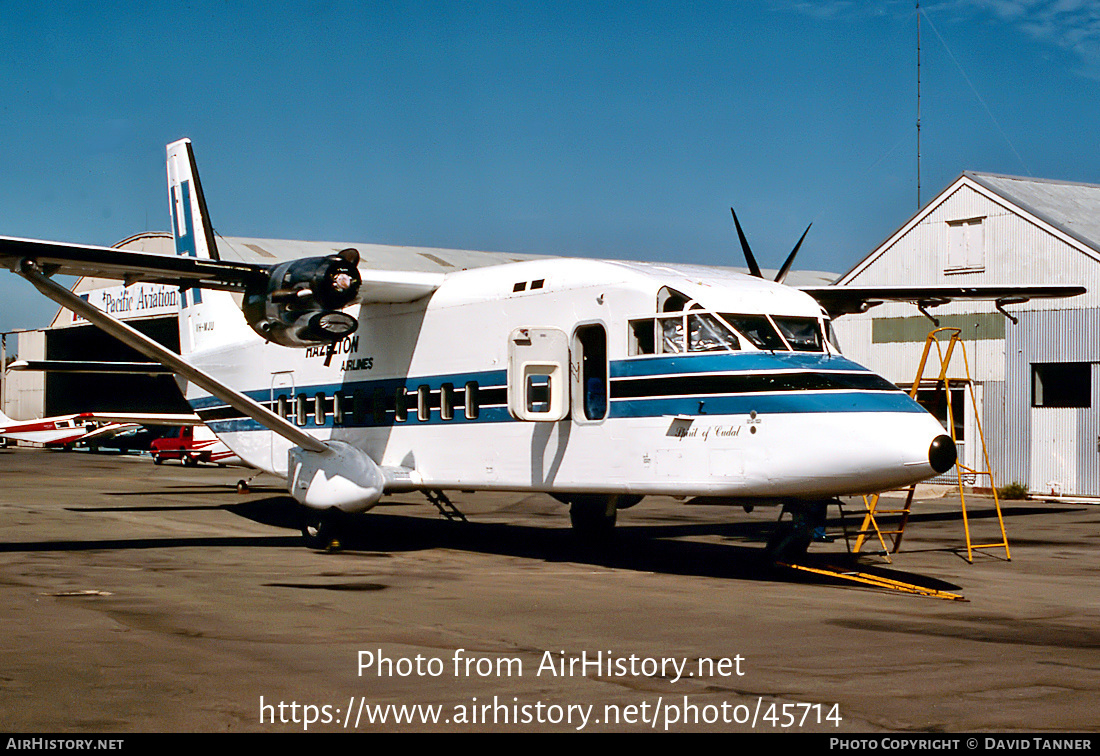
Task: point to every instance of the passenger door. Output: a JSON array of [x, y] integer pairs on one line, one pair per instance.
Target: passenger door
[[538, 374]]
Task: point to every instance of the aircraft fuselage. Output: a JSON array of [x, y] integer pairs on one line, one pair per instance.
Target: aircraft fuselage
[[566, 375]]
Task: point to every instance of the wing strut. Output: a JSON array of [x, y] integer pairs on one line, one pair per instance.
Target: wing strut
[[142, 343]]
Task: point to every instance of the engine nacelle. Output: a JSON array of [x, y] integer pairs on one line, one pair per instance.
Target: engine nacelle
[[300, 304]]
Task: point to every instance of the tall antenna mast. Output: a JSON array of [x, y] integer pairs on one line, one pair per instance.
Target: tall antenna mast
[[918, 104]]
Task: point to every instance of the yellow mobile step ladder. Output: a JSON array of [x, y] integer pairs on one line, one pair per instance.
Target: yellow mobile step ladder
[[870, 525]]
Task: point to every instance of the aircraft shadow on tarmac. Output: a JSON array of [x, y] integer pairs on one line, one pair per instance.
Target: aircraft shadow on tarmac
[[644, 547]]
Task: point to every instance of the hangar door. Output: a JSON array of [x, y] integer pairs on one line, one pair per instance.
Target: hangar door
[[1065, 429]]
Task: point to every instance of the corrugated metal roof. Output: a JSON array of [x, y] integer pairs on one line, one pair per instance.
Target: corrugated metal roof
[[1070, 207]]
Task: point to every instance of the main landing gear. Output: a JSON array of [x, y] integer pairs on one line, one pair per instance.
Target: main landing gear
[[593, 515], [321, 530]]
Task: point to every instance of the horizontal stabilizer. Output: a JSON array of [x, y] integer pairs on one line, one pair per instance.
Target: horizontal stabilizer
[[90, 366]]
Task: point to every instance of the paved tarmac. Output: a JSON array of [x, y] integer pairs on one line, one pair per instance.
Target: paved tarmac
[[142, 598]]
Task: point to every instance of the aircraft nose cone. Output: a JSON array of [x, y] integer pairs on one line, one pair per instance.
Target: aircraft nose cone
[[942, 454]]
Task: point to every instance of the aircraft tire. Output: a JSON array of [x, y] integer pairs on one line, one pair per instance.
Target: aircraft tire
[[321, 530], [593, 517]]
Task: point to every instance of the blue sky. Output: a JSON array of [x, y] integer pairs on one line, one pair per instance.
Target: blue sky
[[602, 129]]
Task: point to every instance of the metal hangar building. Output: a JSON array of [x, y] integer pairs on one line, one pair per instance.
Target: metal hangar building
[[1036, 380]]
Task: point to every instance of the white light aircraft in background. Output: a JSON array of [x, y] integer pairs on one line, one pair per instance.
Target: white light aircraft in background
[[597, 382], [84, 427]]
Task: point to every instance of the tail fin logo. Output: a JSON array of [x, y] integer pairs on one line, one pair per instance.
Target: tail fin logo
[[182, 222]]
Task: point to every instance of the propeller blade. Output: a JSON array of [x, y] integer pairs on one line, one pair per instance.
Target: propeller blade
[[782, 274], [754, 269]]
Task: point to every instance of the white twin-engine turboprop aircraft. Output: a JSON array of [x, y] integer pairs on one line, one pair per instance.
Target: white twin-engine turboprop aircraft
[[597, 382]]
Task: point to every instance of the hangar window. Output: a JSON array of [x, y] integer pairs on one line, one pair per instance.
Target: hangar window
[[1061, 384], [965, 245], [935, 401]]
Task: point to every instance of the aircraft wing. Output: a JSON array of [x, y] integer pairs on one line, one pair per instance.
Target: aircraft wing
[[107, 262], [844, 300], [108, 431], [378, 286], [140, 418]]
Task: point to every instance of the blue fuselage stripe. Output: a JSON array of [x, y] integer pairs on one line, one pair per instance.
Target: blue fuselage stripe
[[492, 385]]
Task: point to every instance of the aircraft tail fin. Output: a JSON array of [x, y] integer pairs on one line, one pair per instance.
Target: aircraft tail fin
[[194, 236], [190, 221]]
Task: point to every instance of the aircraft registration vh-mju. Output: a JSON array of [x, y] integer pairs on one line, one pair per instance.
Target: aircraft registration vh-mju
[[597, 382]]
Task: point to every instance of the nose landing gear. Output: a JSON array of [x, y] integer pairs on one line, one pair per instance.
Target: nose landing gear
[[792, 537]]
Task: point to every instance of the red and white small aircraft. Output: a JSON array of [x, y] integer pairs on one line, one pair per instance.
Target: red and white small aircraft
[[63, 430]]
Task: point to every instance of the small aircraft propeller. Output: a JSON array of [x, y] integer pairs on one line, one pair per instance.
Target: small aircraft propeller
[[754, 269]]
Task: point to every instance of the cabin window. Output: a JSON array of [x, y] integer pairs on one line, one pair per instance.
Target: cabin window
[[300, 409], [537, 392], [423, 404], [757, 329], [400, 410], [538, 283], [803, 334], [359, 407], [447, 401], [378, 406], [640, 338], [519, 286], [706, 333], [1061, 384], [319, 414], [472, 406], [338, 408], [283, 407], [591, 342]]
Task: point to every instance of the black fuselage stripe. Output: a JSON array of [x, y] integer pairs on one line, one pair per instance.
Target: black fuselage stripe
[[749, 383]]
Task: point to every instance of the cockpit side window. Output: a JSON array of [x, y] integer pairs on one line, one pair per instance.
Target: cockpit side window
[[641, 338], [671, 330], [757, 329], [803, 334], [706, 333]]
